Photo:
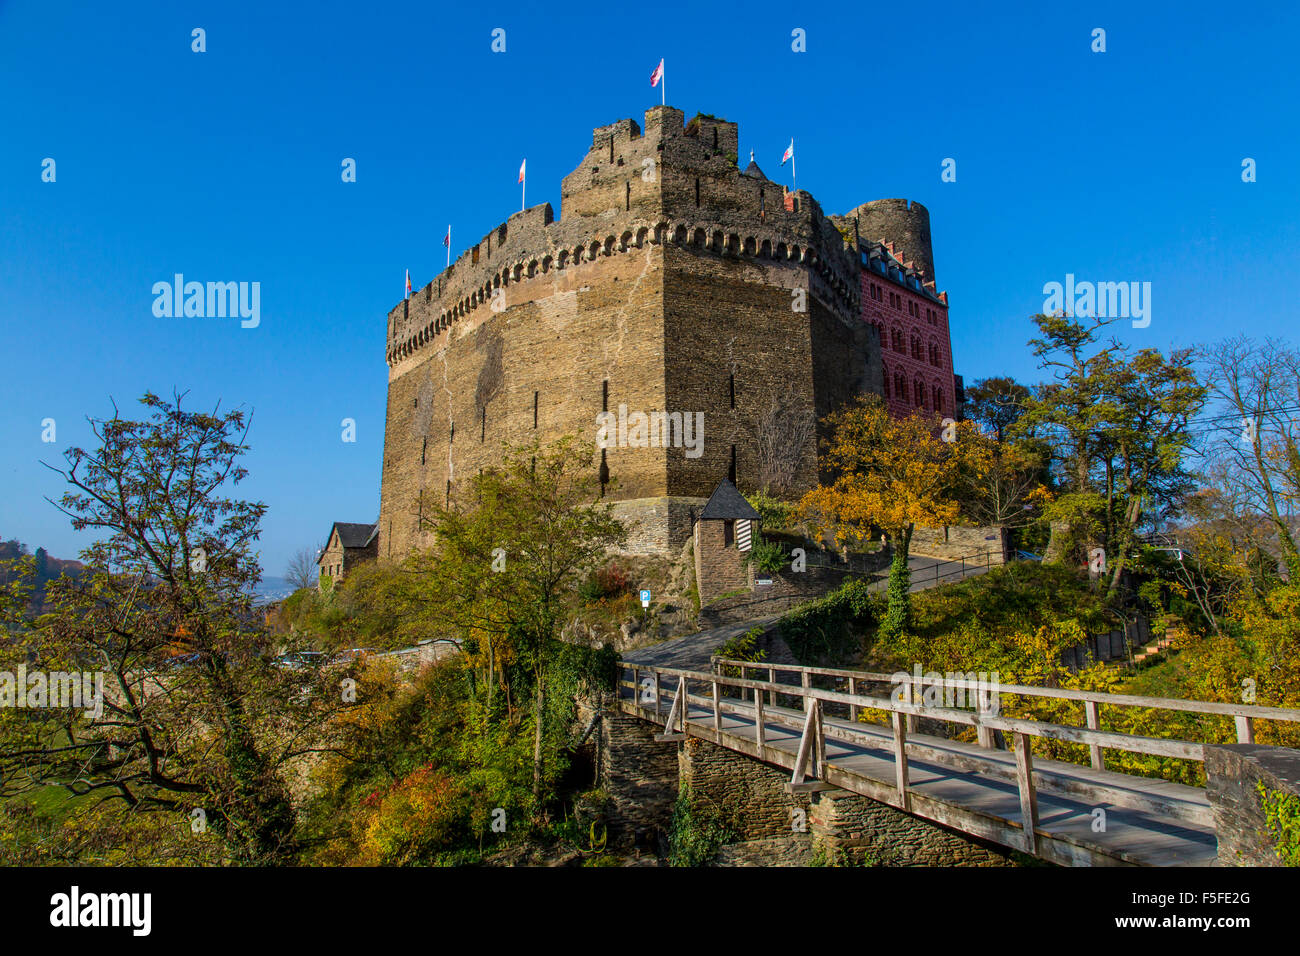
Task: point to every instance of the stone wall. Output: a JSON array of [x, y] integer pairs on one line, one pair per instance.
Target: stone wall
[[951, 542], [750, 793], [638, 773], [719, 567], [849, 828], [1233, 773], [657, 525]]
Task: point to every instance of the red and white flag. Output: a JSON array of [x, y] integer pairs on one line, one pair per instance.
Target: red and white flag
[[521, 170], [408, 283], [788, 154], [658, 74], [446, 240]]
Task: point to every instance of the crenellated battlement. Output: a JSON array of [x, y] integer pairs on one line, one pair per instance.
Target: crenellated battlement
[[677, 182]]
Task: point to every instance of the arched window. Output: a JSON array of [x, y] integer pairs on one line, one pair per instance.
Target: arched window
[[884, 377], [937, 395], [918, 391]]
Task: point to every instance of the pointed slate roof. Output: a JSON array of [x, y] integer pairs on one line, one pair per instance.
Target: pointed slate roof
[[726, 504], [752, 169], [352, 535]]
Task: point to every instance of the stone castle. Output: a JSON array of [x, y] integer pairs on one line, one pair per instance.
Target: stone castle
[[675, 282]]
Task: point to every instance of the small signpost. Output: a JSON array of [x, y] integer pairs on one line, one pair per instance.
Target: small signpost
[[762, 582], [645, 597]]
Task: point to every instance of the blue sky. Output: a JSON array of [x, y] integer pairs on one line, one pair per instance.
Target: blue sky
[[225, 165]]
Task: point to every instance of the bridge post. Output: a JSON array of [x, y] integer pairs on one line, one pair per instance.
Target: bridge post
[[717, 710], [1028, 798], [805, 680], [760, 732], [1245, 730], [771, 679], [853, 708], [658, 694], [900, 761], [1094, 750]]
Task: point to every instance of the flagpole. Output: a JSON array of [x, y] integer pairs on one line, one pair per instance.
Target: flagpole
[[523, 189], [448, 245], [663, 88], [794, 164]]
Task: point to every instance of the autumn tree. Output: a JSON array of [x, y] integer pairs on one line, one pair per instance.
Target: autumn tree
[[194, 721], [510, 550], [892, 474]]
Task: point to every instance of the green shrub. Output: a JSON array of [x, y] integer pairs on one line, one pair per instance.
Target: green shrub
[[697, 832], [607, 582], [767, 557], [775, 514], [826, 627]]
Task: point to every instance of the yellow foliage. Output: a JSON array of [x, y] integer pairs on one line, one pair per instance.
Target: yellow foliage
[[891, 472]]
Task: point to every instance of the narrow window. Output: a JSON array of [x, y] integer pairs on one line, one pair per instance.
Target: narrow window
[[731, 472], [731, 385], [482, 425], [604, 395], [424, 447], [611, 147], [761, 207], [728, 533], [448, 491], [627, 197], [452, 433], [534, 409], [697, 190], [604, 472], [417, 402], [715, 137]]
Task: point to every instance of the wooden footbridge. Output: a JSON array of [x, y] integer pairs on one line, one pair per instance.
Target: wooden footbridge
[[1062, 812]]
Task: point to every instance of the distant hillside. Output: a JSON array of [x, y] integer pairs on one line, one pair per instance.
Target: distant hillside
[[47, 568]]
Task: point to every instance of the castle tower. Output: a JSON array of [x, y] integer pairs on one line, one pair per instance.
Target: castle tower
[[904, 223], [675, 289]]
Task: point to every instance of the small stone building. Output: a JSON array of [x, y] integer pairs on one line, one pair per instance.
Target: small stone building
[[349, 544], [724, 532]]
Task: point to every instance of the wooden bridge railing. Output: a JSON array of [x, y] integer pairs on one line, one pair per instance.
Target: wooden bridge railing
[[648, 685], [1244, 715]]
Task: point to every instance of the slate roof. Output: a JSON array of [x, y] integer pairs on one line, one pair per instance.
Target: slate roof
[[726, 504], [353, 535], [752, 169]]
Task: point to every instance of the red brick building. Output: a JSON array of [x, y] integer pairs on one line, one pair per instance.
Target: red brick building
[[916, 352]]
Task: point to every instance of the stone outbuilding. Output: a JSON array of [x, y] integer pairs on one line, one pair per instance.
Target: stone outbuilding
[[724, 532], [349, 544]]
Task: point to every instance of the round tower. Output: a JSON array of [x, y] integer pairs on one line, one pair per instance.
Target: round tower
[[906, 224]]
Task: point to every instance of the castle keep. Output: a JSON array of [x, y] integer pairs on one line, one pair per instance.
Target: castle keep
[[674, 281]]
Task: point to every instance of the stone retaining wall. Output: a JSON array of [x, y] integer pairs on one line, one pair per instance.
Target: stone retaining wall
[[1233, 773]]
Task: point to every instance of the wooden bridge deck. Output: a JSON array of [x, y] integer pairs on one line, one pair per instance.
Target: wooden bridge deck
[[974, 788]]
